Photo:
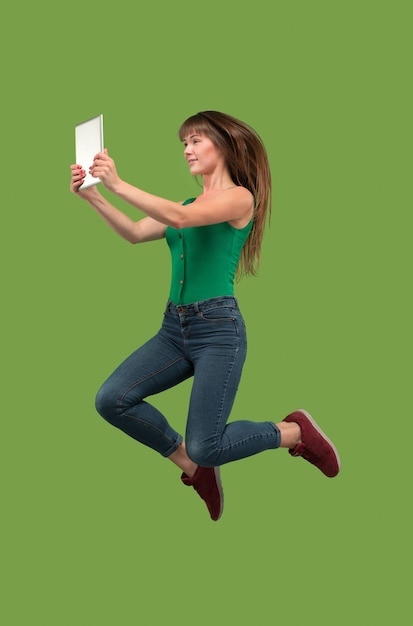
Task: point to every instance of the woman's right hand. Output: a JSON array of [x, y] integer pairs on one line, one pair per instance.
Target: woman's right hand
[[78, 176]]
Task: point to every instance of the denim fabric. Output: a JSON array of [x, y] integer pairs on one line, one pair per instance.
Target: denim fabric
[[206, 340]]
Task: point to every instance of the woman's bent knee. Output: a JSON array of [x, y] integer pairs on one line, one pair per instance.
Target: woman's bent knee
[[203, 455], [105, 403]]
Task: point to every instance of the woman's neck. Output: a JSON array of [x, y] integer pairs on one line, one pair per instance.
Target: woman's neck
[[213, 184]]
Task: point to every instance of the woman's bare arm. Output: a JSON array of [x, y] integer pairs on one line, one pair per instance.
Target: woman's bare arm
[[146, 229], [232, 205]]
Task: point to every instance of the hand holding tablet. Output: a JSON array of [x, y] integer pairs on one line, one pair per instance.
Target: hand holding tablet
[[88, 142]]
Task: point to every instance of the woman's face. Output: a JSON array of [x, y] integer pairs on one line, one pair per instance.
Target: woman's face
[[201, 154]]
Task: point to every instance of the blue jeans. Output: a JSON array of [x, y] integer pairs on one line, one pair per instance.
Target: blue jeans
[[206, 340]]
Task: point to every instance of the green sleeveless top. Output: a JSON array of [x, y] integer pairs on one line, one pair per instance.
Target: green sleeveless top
[[204, 260]]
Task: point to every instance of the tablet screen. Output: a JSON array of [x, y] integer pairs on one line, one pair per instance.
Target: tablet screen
[[88, 141]]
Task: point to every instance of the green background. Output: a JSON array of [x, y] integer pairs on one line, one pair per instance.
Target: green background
[[97, 530]]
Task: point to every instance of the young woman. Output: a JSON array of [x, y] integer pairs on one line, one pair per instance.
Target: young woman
[[212, 238]]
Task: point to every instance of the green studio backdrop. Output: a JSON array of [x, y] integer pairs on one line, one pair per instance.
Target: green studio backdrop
[[97, 530]]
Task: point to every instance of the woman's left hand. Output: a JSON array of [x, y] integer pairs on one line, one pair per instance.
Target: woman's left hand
[[104, 168]]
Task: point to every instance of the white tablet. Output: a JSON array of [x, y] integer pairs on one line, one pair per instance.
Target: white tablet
[[88, 142]]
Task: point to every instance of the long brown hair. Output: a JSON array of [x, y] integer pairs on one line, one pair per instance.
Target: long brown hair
[[247, 161]]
